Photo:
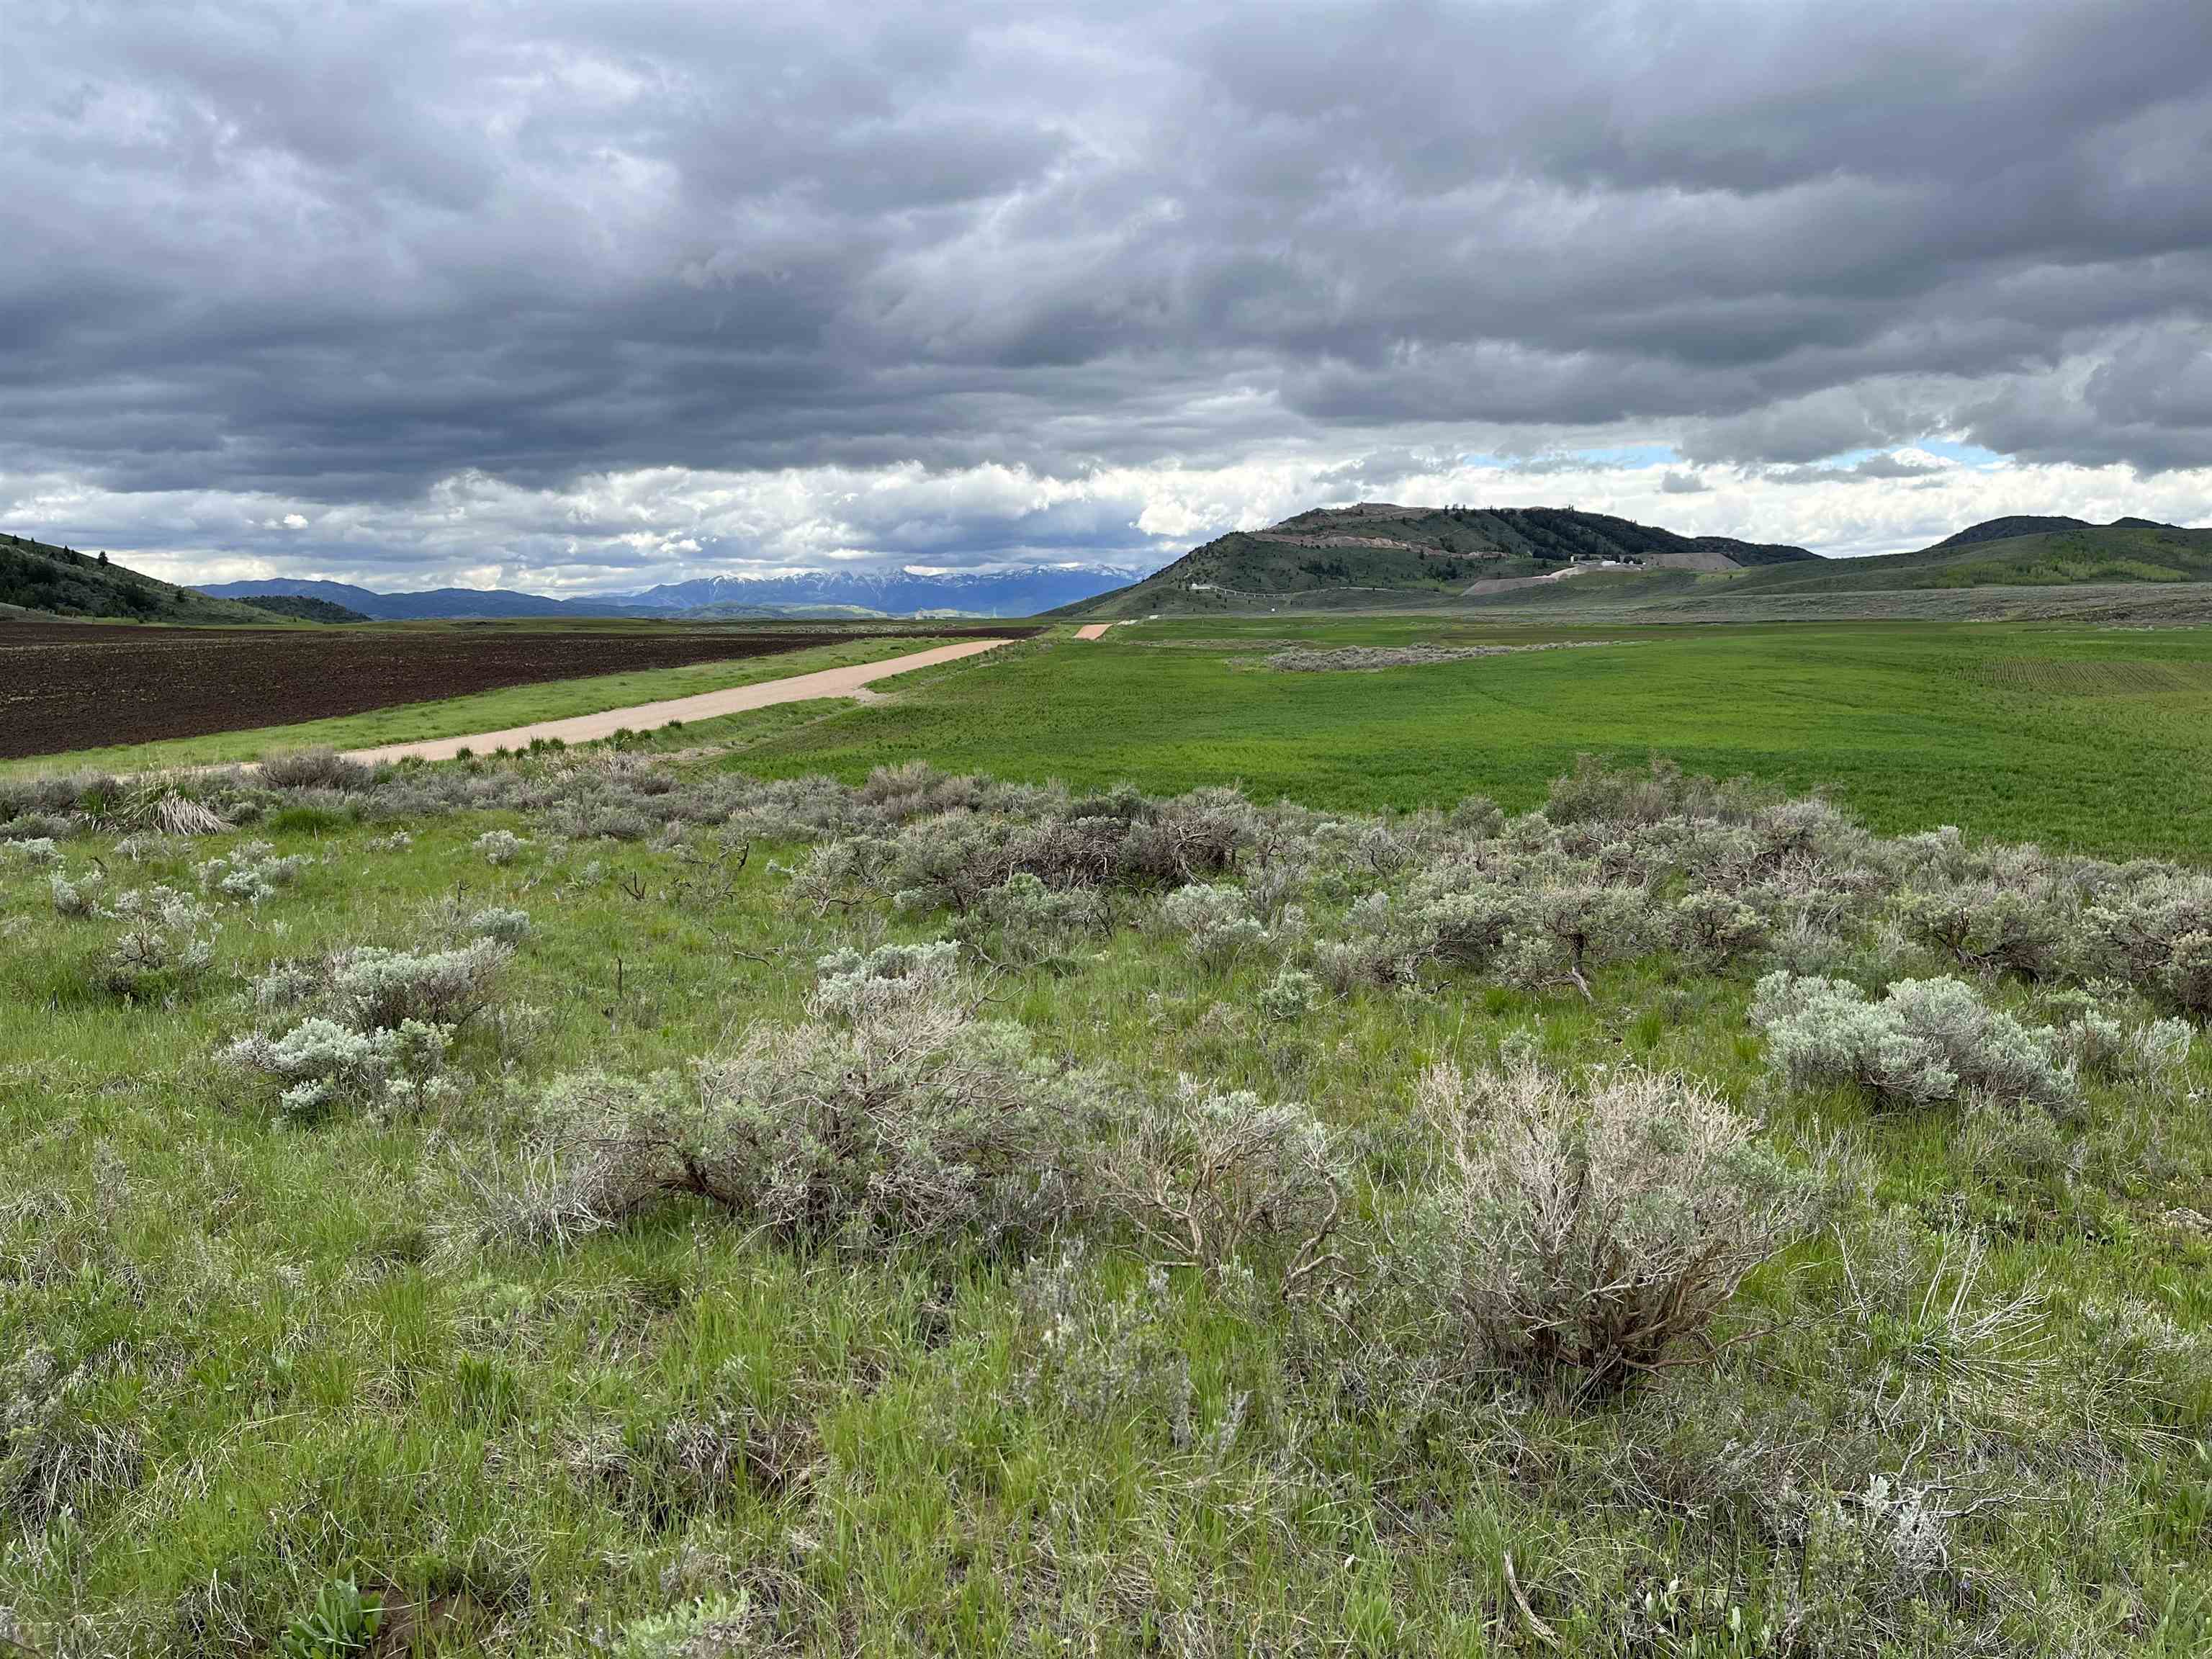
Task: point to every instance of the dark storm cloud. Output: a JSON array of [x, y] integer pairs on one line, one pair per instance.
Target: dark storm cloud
[[338, 254]]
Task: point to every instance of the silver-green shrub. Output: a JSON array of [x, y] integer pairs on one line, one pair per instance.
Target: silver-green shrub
[[77, 898], [1560, 930], [249, 874], [497, 847], [319, 1062], [852, 986], [1216, 921], [1022, 921], [502, 925], [167, 938], [1927, 1041], [369, 986], [1099, 1356], [722, 1627], [1288, 997], [2157, 935]]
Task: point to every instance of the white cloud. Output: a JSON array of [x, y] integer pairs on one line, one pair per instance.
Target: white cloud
[[624, 531]]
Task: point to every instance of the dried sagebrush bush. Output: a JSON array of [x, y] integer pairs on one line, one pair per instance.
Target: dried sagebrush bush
[[174, 807], [1099, 1356], [315, 768], [55, 1457], [1219, 1179], [1586, 1233], [1927, 1041], [891, 1114]]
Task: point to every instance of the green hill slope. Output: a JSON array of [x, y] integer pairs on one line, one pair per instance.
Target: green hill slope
[[2001, 530], [302, 607], [2121, 552], [63, 582], [1378, 552]]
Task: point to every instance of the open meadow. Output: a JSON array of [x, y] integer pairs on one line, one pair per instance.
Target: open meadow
[[954, 1175], [2092, 737]]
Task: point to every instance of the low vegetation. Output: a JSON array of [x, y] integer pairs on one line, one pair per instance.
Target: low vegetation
[[574, 1204]]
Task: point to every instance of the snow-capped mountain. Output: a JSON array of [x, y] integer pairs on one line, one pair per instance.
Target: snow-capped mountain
[[1021, 592]]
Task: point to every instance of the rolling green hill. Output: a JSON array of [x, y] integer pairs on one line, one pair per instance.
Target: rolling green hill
[[301, 607], [1376, 552], [61, 582], [2129, 551], [1538, 561], [2001, 530], [2132, 571]]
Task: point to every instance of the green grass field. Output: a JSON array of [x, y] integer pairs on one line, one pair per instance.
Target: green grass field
[[257, 1358], [2094, 738], [488, 711]]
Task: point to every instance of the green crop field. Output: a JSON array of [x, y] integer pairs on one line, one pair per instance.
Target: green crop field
[[659, 1201], [2095, 739]]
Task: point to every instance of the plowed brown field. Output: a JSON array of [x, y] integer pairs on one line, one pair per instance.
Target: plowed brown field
[[72, 685]]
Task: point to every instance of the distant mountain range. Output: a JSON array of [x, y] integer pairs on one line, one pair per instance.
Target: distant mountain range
[[1016, 593], [1374, 554]]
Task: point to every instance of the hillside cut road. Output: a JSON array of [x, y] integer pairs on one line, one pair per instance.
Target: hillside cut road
[[649, 716]]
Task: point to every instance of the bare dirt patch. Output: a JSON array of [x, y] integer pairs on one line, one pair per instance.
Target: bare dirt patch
[[1368, 658], [68, 685]]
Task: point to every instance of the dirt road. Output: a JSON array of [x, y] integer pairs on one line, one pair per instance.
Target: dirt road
[[647, 717]]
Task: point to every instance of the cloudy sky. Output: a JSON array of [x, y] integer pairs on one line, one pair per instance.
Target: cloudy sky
[[581, 296]]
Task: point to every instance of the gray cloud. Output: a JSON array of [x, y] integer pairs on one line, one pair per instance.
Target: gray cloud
[[341, 257], [1872, 468]]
